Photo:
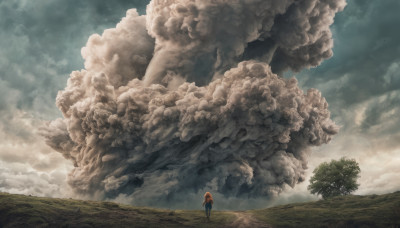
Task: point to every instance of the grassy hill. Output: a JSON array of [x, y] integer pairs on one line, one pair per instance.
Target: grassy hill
[[346, 211], [342, 211], [28, 211]]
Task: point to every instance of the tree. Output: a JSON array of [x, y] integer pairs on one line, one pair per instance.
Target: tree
[[335, 178]]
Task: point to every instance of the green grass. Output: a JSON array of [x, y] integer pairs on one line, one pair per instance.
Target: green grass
[[342, 211], [345, 211], [28, 211]]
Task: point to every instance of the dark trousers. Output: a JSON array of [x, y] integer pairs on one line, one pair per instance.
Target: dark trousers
[[208, 207]]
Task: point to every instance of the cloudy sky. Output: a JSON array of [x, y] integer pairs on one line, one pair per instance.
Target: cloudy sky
[[40, 45]]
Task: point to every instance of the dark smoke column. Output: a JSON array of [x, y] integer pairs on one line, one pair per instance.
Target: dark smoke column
[[187, 98]]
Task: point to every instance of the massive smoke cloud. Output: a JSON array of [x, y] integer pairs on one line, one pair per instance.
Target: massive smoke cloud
[[188, 98]]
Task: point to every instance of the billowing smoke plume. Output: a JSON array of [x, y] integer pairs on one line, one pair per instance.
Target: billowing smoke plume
[[187, 98]]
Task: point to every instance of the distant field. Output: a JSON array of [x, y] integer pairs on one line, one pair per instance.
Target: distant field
[[348, 211]]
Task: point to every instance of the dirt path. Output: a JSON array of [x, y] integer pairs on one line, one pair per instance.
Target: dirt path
[[245, 220]]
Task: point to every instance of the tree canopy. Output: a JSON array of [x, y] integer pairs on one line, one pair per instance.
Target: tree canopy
[[335, 178]]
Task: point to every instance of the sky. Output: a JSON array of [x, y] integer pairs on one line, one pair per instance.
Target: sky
[[40, 45]]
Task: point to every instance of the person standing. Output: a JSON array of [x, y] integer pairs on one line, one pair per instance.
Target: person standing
[[208, 202]]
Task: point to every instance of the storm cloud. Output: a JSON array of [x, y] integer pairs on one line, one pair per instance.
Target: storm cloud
[[189, 97], [361, 81]]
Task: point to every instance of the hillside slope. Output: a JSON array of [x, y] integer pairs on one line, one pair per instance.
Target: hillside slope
[[28, 211], [346, 211], [342, 211]]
